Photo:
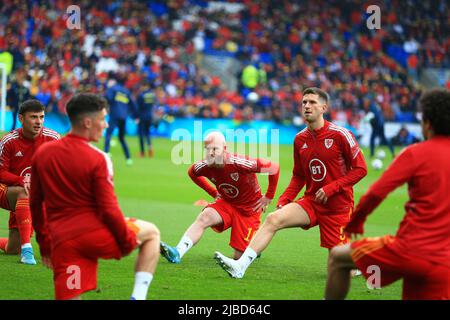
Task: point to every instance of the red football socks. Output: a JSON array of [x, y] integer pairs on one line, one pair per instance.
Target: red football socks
[[23, 217]]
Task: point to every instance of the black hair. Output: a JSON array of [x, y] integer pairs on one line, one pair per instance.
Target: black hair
[[83, 103], [31, 105], [322, 94], [435, 106]]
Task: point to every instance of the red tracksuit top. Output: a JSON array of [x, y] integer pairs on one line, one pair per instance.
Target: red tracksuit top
[[75, 181], [16, 152], [425, 229], [327, 158], [236, 182]]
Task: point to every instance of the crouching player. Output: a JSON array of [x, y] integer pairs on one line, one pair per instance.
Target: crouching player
[[420, 251], [238, 200], [82, 221], [16, 151]]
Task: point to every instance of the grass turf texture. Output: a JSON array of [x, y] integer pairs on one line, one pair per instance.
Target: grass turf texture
[[293, 267]]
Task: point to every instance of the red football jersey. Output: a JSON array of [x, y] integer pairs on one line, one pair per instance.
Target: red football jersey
[[236, 182], [327, 158], [16, 152], [425, 229], [75, 182]]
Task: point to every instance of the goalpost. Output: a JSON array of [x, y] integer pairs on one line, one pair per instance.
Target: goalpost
[[3, 95]]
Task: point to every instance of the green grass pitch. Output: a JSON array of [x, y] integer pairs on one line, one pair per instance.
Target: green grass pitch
[[293, 267]]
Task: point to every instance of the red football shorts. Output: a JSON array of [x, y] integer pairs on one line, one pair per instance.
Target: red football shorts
[[331, 225], [422, 280], [4, 204], [243, 226], [75, 261]]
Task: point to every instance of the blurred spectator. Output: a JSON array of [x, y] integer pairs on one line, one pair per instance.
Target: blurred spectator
[[283, 47], [16, 95], [121, 105], [377, 124], [404, 137]]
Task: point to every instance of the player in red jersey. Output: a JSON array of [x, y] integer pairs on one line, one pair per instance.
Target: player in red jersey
[[16, 151], [328, 160], [83, 222], [238, 200], [420, 251]]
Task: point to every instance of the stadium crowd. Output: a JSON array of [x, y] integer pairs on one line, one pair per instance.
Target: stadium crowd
[[283, 47]]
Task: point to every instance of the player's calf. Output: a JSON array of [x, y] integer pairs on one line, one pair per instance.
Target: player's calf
[[13, 244], [340, 264], [148, 237]]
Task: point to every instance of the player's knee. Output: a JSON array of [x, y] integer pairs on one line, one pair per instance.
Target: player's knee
[[339, 257], [154, 231], [148, 231], [205, 219], [273, 221]]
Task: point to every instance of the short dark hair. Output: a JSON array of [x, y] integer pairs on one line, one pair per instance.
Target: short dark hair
[[435, 106], [31, 105], [322, 94], [83, 103]]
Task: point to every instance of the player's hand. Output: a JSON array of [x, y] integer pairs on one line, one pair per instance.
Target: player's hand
[[137, 121], [321, 197], [262, 204], [47, 262], [27, 184], [354, 229]]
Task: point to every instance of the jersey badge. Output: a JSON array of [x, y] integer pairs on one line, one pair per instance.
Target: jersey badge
[[328, 143]]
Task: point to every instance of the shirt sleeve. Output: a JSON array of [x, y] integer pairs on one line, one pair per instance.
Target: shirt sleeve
[[297, 182], [7, 177], [38, 216], [108, 206], [196, 176], [399, 172], [273, 170], [354, 160]]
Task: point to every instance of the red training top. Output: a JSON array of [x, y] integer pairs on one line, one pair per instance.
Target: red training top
[[236, 182], [327, 158], [16, 152], [75, 181], [425, 229]]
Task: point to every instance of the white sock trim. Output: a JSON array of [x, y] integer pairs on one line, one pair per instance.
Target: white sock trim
[[142, 282], [247, 258], [26, 245], [184, 245]]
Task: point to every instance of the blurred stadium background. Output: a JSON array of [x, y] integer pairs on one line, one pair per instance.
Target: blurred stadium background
[[237, 61], [230, 64]]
